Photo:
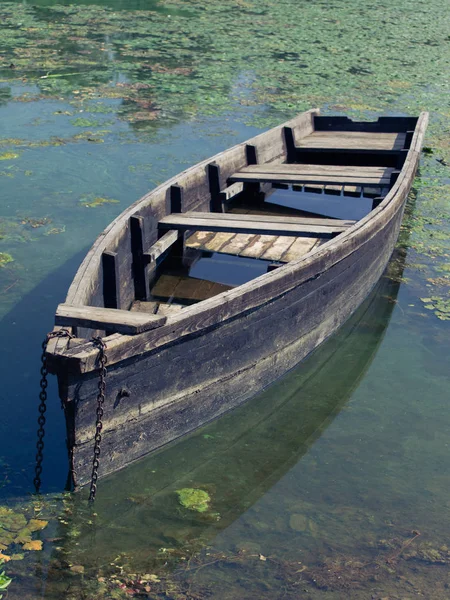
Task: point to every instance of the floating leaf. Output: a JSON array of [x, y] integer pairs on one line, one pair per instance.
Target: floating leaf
[[33, 545], [36, 525]]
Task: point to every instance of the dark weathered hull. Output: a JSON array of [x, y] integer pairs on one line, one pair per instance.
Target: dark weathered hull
[[163, 384], [232, 457], [176, 389]]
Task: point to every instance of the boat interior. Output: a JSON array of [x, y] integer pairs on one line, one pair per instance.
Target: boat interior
[[273, 213], [260, 217]]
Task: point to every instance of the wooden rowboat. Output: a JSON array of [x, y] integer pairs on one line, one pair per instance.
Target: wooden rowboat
[[183, 348]]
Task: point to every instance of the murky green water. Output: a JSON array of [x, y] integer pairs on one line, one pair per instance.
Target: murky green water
[[318, 488]]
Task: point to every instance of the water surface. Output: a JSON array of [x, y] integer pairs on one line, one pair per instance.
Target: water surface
[[317, 486]]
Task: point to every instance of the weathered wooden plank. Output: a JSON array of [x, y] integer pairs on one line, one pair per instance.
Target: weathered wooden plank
[[259, 245], [353, 190], [311, 169], [111, 288], [237, 243], [167, 310], [300, 247], [139, 264], [199, 239], [381, 125], [161, 246], [145, 307], [280, 245], [271, 226], [334, 190], [218, 240], [262, 218], [300, 178], [114, 320], [311, 188], [353, 141], [231, 191], [187, 289]]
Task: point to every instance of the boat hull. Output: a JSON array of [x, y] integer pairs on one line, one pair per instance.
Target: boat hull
[[214, 355], [159, 396]]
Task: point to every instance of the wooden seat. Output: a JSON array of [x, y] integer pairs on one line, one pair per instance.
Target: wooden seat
[[256, 224], [353, 140], [318, 174]]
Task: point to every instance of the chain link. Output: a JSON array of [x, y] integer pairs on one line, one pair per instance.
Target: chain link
[[100, 344], [61, 333]]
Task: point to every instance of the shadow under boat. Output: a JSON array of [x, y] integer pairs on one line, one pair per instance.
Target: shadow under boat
[[237, 458]]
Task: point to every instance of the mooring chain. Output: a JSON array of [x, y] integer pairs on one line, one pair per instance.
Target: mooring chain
[[61, 333], [100, 344]]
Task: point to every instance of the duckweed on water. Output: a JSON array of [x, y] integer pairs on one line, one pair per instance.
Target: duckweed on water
[[439, 305]]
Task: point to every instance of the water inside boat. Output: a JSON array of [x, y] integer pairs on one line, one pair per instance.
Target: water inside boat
[[212, 262]]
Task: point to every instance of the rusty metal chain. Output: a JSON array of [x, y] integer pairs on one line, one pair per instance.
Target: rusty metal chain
[[100, 344], [61, 333]]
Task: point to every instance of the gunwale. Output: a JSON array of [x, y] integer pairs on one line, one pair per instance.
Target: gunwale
[[80, 356]]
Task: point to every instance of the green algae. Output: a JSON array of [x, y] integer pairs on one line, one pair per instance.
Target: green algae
[[194, 499], [9, 156], [95, 201], [5, 259]]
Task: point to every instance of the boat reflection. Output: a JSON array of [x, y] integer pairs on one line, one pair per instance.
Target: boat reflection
[[235, 459]]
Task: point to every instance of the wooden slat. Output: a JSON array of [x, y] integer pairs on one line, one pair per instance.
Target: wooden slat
[[189, 289], [113, 320], [328, 170], [199, 239], [161, 246], [262, 218], [257, 224], [145, 307], [353, 140], [353, 190], [237, 244], [166, 310], [321, 174], [334, 190], [231, 191], [215, 243], [299, 178], [139, 264], [300, 247], [280, 245], [259, 245]]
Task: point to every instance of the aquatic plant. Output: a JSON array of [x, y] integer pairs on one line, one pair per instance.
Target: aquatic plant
[[194, 499], [16, 530], [5, 258], [93, 202], [4, 580], [9, 155]]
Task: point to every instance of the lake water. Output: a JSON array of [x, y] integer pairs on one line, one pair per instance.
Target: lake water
[[333, 483]]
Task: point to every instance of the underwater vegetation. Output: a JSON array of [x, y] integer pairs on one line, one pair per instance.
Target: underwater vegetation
[[194, 499]]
